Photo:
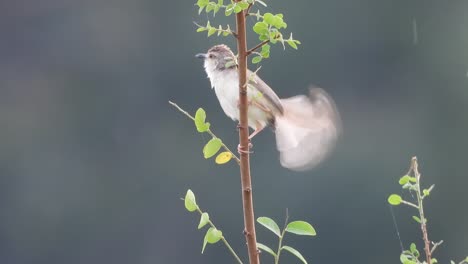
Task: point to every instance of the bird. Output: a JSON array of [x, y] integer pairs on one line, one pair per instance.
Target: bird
[[306, 127]]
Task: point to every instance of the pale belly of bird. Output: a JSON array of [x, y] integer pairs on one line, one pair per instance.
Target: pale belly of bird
[[228, 96]]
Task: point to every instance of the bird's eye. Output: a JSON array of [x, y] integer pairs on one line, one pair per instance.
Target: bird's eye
[[211, 56]]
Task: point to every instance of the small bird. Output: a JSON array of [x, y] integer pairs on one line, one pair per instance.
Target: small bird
[[306, 127]]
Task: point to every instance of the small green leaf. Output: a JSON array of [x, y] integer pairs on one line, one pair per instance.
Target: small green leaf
[[201, 29], [211, 31], [295, 253], [200, 117], [202, 3], [212, 147], [269, 224], [426, 192], [210, 7], [434, 260], [266, 248], [190, 202], [256, 59], [268, 18], [204, 219], [404, 180], [212, 236], [301, 228], [413, 179], [417, 219], [394, 199], [403, 258], [220, 2], [229, 9], [237, 8], [292, 44], [260, 28], [243, 5], [414, 250]]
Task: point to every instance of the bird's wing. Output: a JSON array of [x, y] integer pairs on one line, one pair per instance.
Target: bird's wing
[[273, 101]]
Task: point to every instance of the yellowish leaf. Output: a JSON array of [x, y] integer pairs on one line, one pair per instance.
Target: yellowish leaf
[[223, 157]]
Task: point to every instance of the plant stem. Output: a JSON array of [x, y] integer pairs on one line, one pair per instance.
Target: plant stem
[[427, 243], [208, 131], [258, 46], [278, 253], [224, 240], [246, 182]]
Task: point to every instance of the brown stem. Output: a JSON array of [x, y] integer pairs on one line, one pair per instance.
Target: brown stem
[[246, 13], [257, 47], [427, 243], [247, 200]]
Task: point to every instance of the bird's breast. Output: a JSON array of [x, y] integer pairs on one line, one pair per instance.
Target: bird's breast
[[226, 86]]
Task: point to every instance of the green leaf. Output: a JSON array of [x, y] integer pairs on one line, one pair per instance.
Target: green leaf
[[434, 260], [200, 117], [426, 192], [301, 228], [292, 43], [229, 9], [204, 219], [413, 179], [295, 253], [268, 18], [212, 147], [394, 199], [202, 3], [404, 180], [260, 28], [266, 248], [211, 31], [256, 59], [201, 29], [243, 5], [190, 202], [269, 224], [237, 8], [417, 219], [210, 7], [220, 2], [414, 250], [213, 235]]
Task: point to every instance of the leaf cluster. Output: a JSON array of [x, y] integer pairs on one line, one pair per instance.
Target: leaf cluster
[[301, 228], [214, 144], [268, 27]]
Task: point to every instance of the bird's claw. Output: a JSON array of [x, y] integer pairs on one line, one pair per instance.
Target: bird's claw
[[241, 150]]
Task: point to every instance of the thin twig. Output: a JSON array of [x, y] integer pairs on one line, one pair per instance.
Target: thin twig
[[209, 130], [435, 245], [248, 9], [410, 204], [250, 51]]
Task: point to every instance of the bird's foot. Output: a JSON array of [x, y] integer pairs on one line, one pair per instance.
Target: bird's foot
[[241, 150]]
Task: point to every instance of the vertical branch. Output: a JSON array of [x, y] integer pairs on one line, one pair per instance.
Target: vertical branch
[[427, 243], [247, 200]]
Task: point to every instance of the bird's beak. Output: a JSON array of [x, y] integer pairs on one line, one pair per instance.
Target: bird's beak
[[201, 56]]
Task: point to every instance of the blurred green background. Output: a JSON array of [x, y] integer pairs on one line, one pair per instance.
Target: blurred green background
[[94, 161]]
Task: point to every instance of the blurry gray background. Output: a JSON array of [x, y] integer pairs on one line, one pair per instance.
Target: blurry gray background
[[94, 161]]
